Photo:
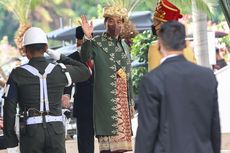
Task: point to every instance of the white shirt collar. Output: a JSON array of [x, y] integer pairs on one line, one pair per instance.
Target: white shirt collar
[[166, 57]]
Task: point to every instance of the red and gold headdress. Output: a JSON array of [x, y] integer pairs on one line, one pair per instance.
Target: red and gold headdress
[[166, 11]]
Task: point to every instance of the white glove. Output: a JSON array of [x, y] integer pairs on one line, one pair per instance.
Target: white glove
[[54, 54], [13, 150]]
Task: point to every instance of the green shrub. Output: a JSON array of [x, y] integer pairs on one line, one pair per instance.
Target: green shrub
[[139, 53]]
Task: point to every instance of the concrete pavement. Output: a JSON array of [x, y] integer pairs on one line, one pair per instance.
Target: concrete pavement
[[71, 145]]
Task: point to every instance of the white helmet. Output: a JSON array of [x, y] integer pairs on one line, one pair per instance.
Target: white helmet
[[34, 35]]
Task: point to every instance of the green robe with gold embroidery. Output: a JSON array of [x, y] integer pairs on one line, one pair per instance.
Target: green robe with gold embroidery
[[109, 56]]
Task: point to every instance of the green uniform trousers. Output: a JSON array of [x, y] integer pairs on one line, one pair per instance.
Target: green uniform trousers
[[43, 138]]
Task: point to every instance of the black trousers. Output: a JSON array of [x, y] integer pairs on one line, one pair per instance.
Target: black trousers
[[85, 135], [40, 139], [2, 145]]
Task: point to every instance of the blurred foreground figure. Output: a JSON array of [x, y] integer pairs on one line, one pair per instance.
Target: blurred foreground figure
[[178, 108]]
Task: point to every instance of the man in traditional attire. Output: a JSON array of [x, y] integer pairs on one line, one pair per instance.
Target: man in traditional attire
[[112, 81], [165, 11]]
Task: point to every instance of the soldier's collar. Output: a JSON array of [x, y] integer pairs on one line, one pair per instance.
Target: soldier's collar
[[37, 59]]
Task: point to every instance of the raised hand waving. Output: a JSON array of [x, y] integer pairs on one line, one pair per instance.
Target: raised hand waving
[[87, 27]]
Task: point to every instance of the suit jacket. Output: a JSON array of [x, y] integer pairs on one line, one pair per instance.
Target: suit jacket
[[178, 109]]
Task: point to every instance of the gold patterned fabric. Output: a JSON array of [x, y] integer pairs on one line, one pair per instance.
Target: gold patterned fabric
[[122, 141], [110, 11]]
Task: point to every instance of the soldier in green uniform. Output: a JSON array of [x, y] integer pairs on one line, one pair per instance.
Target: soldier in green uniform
[[112, 82], [37, 88]]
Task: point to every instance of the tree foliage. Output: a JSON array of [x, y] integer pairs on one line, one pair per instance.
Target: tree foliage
[[20, 8], [49, 14]]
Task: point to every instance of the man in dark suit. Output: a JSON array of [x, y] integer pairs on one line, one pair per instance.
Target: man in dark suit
[[178, 107], [83, 103]]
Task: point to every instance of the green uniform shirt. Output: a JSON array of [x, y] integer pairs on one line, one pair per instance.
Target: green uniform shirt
[[23, 88]]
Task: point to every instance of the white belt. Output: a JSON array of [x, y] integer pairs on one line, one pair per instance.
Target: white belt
[[39, 119]]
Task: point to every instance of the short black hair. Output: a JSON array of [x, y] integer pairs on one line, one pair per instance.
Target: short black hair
[[217, 50], [32, 48], [172, 35], [79, 34]]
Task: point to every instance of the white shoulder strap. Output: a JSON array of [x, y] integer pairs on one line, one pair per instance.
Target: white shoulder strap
[[49, 69], [43, 83], [69, 79], [32, 70]]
